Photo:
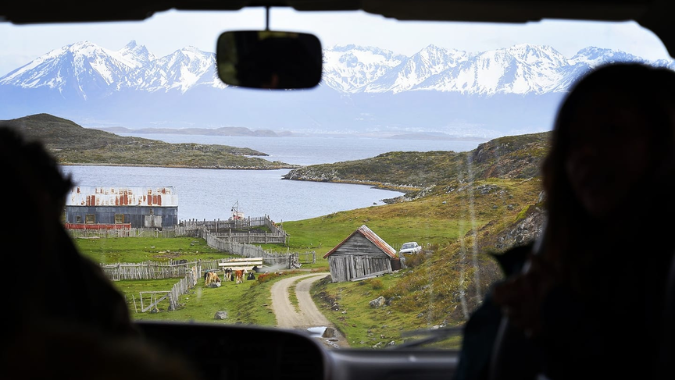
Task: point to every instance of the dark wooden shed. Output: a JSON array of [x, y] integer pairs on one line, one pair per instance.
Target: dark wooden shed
[[361, 254]]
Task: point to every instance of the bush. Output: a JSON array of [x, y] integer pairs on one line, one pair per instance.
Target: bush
[[390, 293], [412, 261], [264, 277], [375, 283]]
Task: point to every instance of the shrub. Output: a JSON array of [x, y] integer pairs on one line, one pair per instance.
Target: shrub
[[375, 283], [412, 261], [264, 277], [390, 293]]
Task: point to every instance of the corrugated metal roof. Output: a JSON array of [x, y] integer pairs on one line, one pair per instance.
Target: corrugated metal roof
[[122, 196], [372, 237]]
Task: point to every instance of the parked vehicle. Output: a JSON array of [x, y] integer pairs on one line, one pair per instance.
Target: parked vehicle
[[410, 248]]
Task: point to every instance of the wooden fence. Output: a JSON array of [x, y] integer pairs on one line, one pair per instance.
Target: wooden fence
[[194, 228], [153, 270], [150, 270], [217, 225], [252, 237], [181, 287], [124, 232], [307, 257], [289, 260], [225, 228]]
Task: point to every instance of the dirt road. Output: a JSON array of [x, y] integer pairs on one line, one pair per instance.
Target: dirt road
[[309, 315]]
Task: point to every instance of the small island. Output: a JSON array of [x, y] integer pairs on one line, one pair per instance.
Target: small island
[[72, 144]]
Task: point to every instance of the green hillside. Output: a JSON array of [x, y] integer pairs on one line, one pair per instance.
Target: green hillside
[[506, 157], [456, 219]]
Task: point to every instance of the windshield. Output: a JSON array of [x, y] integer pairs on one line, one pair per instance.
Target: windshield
[[211, 203]]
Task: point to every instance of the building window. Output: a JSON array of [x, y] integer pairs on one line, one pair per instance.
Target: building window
[[78, 219], [90, 219], [119, 218]]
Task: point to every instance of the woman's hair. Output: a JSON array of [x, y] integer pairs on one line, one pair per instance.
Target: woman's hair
[[652, 91], [20, 158]]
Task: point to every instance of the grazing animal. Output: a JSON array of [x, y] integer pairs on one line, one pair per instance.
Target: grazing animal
[[206, 273], [212, 278], [250, 276], [228, 274], [239, 275]]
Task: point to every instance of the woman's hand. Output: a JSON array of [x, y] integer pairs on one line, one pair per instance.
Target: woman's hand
[[521, 296]]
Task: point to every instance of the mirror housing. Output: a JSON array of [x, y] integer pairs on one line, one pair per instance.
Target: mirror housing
[[269, 59]]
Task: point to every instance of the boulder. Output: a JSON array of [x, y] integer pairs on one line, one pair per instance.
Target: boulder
[[329, 332], [377, 302], [220, 315]]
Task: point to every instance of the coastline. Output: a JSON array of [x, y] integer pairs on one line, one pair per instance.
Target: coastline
[[182, 166]]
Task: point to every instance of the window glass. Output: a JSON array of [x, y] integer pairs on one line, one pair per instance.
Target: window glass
[[419, 131]]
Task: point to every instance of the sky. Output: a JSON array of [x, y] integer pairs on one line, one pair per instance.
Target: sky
[[169, 31]]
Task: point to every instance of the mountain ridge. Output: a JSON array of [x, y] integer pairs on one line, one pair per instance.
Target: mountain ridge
[[521, 68], [487, 94]]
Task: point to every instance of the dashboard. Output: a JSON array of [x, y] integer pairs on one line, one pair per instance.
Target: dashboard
[[246, 352]]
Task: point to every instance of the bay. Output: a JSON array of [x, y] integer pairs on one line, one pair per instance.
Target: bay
[[311, 150], [211, 193]]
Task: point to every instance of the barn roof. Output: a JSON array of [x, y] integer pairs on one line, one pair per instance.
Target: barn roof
[[372, 237], [122, 196]]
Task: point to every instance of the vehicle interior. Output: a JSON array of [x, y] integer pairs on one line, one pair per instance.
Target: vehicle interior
[[246, 351]]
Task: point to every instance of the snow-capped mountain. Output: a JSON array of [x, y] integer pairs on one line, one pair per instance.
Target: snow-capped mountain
[[180, 70], [92, 69], [519, 69], [350, 68], [82, 67], [363, 89]]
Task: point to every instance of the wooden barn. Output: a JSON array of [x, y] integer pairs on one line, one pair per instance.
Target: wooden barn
[[362, 254], [132, 207]]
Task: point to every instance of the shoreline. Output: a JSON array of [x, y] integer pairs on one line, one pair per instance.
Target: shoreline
[[372, 184], [181, 166]]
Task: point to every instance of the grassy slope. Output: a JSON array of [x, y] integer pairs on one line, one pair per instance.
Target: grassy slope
[[427, 295], [72, 144], [456, 219]]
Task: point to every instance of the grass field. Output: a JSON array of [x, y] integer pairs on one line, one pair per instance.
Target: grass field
[[247, 303], [139, 249]]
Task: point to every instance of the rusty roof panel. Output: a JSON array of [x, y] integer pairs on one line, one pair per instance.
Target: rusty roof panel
[[372, 237], [122, 196]]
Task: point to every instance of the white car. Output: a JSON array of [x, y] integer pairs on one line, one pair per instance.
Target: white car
[[410, 248]]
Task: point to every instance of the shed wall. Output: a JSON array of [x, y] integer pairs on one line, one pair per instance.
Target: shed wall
[[357, 257], [136, 215], [348, 267]]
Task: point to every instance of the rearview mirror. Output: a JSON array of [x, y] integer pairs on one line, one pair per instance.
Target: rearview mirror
[[267, 59]]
